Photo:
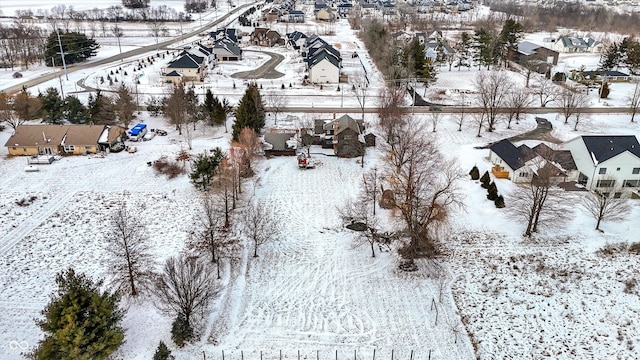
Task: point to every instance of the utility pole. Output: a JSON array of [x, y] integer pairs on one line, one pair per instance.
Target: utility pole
[[64, 64], [118, 34], [53, 64]]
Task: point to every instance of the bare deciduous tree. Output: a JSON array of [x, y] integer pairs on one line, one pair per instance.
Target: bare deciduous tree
[[606, 204], [424, 185], [546, 90], [129, 254], [540, 202], [516, 101], [492, 88], [276, 101], [213, 237], [260, 225], [360, 88], [392, 109], [435, 117], [185, 287], [571, 100], [358, 214], [634, 100]]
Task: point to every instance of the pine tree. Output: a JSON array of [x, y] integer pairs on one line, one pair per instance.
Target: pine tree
[[484, 180], [492, 191], [74, 110], [203, 168], [52, 106], [250, 112], [80, 322], [499, 202], [162, 352], [181, 331], [475, 173]]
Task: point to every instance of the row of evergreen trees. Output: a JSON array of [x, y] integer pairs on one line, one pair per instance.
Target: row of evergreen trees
[[486, 183]]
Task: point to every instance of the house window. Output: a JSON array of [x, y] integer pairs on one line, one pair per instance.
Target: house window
[[69, 148], [617, 195], [602, 171], [605, 183], [347, 137], [524, 174], [635, 171], [632, 183]]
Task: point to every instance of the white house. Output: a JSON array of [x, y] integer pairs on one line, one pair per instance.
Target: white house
[[520, 164], [607, 161], [324, 68]]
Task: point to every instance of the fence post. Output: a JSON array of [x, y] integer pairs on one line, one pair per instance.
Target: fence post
[[260, 354], [429, 354], [241, 354], [336, 354], [317, 354], [298, 354], [204, 355], [411, 357], [280, 354], [222, 354], [374, 354], [391, 354]]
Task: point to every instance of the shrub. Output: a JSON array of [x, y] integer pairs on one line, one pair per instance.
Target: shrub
[[181, 331], [499, 202], [485, 179], [492, 191], [612, 249], [170, 169], [474, 173], [634, 248]]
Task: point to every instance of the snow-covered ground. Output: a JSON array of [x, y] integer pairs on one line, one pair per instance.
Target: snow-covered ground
[[313, 291]]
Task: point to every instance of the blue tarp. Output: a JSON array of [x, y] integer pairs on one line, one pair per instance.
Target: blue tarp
[[137, 129]]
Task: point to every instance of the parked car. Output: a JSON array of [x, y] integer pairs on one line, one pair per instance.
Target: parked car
[[148, 136], [161, 132], [132, 149]]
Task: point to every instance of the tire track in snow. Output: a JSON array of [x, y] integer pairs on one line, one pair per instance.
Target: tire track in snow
[[18, 233]]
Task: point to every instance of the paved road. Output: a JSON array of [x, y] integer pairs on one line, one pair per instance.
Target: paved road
[[135, 52], [266, 71]]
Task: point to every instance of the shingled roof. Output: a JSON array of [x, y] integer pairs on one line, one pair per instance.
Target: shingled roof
[[602, 147], [513, 156]]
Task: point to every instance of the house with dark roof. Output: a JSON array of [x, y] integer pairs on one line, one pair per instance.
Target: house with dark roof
[[346, 135], [266, 37], [295, 16], [280, 142], [605, 161], [324, 67], [226, 49], [570, 44], [607, 75], [186, 67], [296, 40], [220, 34], [533, 56], [520, 164]]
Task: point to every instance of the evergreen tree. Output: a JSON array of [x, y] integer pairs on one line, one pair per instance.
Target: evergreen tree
[[74, 110], [484, 180], [485, 48], [209, 106], [510, 35], [181, 331], [100, 109], [250, 112], [475, 173], [77, 47], [463, 50], [124, 106], [80, 322], [162, 352], [611, 56], [52, 106], [499, 202], [203, 168], [413, 57], [492, 191]]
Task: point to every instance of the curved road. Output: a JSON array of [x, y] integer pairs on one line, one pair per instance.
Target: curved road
[[115, 58], [266, 71]]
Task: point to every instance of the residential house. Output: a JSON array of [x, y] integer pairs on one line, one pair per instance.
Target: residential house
[[533, 56], [187, 67], [63, 139], [296, 40], [344, 9], [348, 138], [266, 37], [607, 75], [326, 14], [324, 67], [227, 50], [570, 44], [296, 16], [231, 34], [521, 163], [605, 161]]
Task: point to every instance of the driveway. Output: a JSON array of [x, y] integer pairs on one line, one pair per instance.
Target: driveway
[[266, 71], [542, 132]]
